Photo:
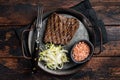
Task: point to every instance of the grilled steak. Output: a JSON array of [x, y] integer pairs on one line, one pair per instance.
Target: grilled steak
[[60, 29]]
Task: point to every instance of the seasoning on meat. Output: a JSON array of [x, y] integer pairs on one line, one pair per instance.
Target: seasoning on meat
[[60, 29], [80, 51]]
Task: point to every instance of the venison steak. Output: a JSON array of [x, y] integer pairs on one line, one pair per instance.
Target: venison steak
[[60, 29]]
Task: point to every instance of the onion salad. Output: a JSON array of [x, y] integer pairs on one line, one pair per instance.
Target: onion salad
[[53, 56]]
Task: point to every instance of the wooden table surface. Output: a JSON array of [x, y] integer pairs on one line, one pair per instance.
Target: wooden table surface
[[15, 14]]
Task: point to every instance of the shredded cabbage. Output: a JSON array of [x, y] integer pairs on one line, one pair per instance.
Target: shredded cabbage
[[53, 56]]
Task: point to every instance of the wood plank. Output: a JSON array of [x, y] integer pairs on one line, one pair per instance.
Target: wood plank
[[9, 42], [107, 10], [24, 12], [45, 2], [11, 2], [99, 68], [111, 49], [113, 33], [105, 0], [15, 63], [17, 14], [109, 14]]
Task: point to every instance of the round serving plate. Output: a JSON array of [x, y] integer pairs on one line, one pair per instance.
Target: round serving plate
[[84, 32]]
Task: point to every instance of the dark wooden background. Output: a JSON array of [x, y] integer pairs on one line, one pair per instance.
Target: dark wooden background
[[15, 14]]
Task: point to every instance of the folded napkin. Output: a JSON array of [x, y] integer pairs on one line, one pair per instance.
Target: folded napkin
[[85, 8]]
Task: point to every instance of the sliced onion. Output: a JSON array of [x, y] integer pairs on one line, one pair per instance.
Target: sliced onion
[[54, 56]]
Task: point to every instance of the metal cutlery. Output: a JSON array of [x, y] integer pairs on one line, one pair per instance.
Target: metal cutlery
[[39, 24], [37, 45]]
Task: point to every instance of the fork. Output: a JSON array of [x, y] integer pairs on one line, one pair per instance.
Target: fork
[[39, 25], [37, 45]]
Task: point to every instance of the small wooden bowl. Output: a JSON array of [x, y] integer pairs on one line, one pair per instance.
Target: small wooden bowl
[[90, 53]]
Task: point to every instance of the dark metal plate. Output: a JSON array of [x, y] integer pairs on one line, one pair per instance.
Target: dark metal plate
[[84, 32]]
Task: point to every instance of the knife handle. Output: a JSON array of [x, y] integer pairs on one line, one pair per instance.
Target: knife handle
[[35, 58]]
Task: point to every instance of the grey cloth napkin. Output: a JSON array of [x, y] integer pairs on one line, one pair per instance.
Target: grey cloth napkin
[[85, 8]]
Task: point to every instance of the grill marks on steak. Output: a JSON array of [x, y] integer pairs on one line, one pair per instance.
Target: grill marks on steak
[[59, 29]]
